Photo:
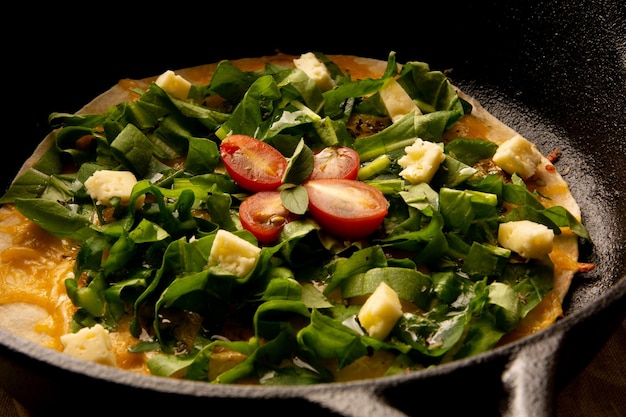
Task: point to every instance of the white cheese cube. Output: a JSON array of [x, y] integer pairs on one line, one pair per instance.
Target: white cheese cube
[[396, 100], [104, 184], [380, 312], [518, 155], [174, 84], [91, 344], [421, 161], [316, 70], [233, 254], [528, 239]]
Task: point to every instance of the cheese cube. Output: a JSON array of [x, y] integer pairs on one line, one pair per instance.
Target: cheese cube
[[106, 184], [528, 239], [233, 254], [396, 100], [316, 70], [518, 155], [380, 312], [421, 161], [174, 84], [91, 344]]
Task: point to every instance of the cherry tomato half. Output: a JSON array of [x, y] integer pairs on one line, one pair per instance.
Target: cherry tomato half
[[264, 215], [253, 164], [335, 162], [348, 209]]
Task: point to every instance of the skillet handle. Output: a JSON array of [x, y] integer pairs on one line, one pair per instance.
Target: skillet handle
[[529, 379]]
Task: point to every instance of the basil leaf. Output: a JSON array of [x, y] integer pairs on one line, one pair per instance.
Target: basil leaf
[[295, 199], [299, 166]]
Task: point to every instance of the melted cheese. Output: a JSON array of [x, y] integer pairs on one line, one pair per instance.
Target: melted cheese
[[33, 300], [33, 267]]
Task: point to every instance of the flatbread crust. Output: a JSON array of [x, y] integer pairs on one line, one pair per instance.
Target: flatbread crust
[[45, 321]]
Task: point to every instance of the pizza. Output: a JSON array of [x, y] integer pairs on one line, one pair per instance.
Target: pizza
[[285, 220]]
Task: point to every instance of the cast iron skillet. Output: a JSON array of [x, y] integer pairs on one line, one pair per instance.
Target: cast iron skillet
[[554, 71]]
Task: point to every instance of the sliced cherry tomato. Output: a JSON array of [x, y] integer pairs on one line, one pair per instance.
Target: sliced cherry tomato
[[335, 162], [264, 215], [347, 209], [253, 164]]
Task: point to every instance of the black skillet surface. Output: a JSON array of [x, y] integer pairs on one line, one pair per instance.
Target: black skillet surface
[[554, 71]]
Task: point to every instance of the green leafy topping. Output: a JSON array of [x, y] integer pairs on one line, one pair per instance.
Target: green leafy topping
[[149, 261]]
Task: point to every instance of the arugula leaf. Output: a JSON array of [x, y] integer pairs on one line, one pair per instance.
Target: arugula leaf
[[249, 115], [402, 133], [55, 218], [328, 339], [409, 284], [470, 151], [130, 147], [202, 156], [230, 82], [430, 89], [359, 262]]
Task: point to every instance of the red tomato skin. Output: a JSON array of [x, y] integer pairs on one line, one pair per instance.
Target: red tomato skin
[[347, 209], [253, 164], [264, 215], [335, 162]]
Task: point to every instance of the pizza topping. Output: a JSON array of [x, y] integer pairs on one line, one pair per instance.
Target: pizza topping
[[174, 84], [90, 343], [315, 70], [224, 256], [421, 161], [105, 185], [380, 312], [518, 156], [396, 100], [335, 162], [233, 254], [252, 163], [264, 215], [529, 239], [348, 209]]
